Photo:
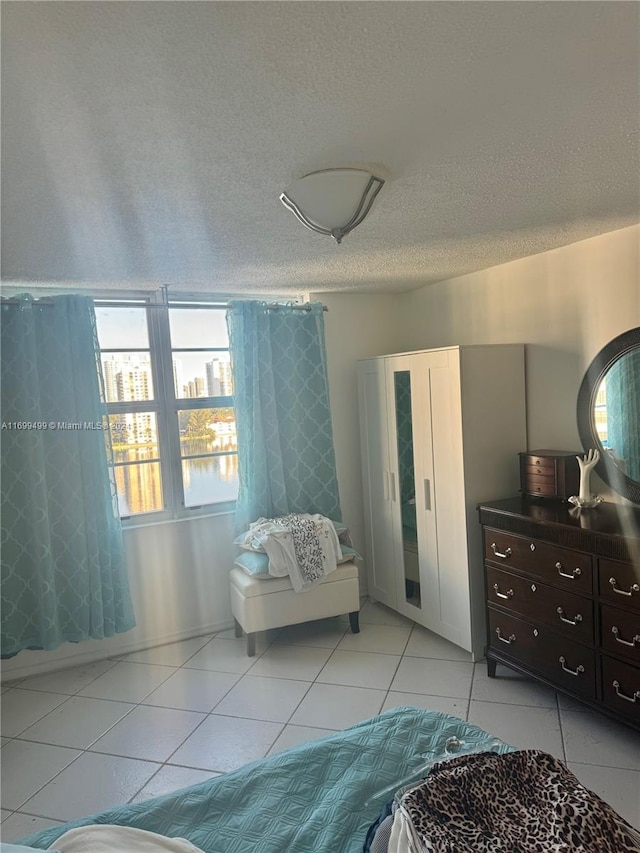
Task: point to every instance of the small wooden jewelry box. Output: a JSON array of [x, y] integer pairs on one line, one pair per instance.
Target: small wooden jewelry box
[[551, 474]]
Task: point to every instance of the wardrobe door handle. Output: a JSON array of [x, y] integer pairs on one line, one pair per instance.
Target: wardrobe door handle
[[578, 671], [615, 631], [633, 588], [504, 556], [385, 485], [563, 618], [427, 494], [393, 486]]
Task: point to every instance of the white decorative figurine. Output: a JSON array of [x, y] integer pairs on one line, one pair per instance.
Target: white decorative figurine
[[585, 499]]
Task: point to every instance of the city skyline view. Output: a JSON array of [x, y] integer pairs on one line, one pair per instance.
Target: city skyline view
[[207, 436]]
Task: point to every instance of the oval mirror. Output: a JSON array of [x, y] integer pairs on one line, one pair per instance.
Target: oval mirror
[[609, 413]]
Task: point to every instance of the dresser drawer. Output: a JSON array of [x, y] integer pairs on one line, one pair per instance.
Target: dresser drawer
[[544, 476], [621, 687], [620, 632], [540, 486], [569, 664], [561, 567], [548, 463], [566, 612], [619, 583]]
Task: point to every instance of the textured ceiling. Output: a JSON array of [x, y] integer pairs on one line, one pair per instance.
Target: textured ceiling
[[146, 143]]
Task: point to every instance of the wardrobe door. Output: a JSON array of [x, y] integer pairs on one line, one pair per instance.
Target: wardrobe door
[[411, 500], [449, 576], [377, 481]]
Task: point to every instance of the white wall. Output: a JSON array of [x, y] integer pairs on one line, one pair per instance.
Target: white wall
[[179, 577], [357, 326], [565, 305]]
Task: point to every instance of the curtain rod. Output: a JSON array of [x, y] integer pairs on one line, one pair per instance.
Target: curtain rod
[[271, 306]]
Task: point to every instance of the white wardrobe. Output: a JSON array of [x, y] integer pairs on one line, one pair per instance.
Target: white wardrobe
[[440, 432]]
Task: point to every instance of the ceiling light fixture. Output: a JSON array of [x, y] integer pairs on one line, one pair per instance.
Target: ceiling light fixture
[[321, 200]]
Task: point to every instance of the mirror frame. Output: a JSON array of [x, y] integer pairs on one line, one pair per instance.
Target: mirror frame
[[607, 356]]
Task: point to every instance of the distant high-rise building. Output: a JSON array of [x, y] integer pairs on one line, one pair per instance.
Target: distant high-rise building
[[226, 379], [177, 377], [213, 383], [133, 381], [219, 378], [109, 368], [195, 387], [127, 379]]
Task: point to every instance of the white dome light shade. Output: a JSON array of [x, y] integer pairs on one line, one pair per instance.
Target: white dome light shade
[[332, 201]]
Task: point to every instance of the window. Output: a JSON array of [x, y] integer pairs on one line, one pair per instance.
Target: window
[[167, 380]]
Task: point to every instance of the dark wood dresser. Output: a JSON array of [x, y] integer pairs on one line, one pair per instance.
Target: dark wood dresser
[[563, 598]]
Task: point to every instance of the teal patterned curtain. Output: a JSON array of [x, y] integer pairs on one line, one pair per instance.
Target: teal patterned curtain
[[286, 460], [63, 569], [623, 411]]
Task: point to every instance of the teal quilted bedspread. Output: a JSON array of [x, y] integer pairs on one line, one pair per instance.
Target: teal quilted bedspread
[[310, 799]]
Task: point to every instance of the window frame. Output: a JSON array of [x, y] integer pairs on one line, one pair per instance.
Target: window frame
[[165, 403]]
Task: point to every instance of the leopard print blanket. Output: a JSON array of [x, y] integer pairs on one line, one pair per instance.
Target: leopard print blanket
[[520, 802]]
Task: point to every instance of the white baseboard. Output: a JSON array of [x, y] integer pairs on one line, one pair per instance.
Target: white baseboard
[[76, 656]]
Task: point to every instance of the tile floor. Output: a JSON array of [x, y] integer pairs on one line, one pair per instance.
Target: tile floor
[[123, 730]]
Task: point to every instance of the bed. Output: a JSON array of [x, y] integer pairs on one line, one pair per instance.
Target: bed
[[320, 797]]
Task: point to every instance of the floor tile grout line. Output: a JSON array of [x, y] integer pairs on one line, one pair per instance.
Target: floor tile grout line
[[83, 751], [75, 693], [35, 722], [55, 776], [32, 814], [141, 703], [212, 712], [395, 672], [283, 725], [473, 678], [560, 725]]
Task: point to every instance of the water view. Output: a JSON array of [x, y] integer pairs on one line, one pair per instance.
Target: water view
[[206, 479]]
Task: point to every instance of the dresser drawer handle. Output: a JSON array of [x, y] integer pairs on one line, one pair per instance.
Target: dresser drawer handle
[[508, 594], [633, 588], [615, 631], [508, 640], [571, 575], [505, 556], [563, 618], [578, 671], [633, 698]]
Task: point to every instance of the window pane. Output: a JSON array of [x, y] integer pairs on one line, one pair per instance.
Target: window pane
[[127, 376], [210, 479], [139, 488], [198, 327], [134, 436], [122, 327], [207, 431], [205, 374]]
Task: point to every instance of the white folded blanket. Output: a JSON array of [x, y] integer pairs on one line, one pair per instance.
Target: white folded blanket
[[105, 838]]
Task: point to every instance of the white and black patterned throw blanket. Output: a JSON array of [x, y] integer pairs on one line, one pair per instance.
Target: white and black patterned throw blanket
[[304, 547], [306, 544]]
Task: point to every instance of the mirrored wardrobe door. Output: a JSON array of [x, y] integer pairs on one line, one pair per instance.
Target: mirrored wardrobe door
[[402, 377], [402, 394]]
